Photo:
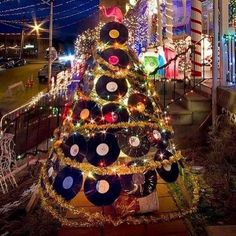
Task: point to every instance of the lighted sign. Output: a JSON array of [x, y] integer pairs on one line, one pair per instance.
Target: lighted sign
[[27, 46]]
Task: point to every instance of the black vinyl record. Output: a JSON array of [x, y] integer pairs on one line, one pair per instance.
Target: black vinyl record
[[169, 173], [111, 89], [114, 32], [68, 182], [115, 57], [86, 110], [75, 147], [102, 190], [103, 149], [133, 142], [139, 184], [114, 113], [139, 103]]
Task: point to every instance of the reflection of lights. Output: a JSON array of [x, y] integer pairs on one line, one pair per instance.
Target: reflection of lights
[[67, 58]]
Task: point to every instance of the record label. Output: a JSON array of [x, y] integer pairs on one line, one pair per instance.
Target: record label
[[74, 150], [67, 182], [134, 141], [102, 149], [114, 60], [111, 117], [156, 134], [102, 186], [84, 114], [114, 113], [114, 34], [111, 86]]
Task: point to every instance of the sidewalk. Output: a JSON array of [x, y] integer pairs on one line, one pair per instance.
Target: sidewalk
[[167, 204]]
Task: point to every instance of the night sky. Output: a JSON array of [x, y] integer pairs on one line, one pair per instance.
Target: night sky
[[70, 16]]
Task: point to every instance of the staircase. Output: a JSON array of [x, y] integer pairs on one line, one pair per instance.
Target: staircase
[[188, 108]]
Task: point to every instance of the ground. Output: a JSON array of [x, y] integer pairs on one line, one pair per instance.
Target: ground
[[10, 76]]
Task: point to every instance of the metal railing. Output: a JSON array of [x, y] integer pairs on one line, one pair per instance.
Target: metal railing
[[176, 88], [32, 124]]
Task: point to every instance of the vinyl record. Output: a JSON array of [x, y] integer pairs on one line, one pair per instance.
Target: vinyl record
[[111, 89], [154, 136], [68, 182], [102, 190], [114, 113], [114, 32], [168, 173], [75, 147], [115, 57], [139, 103], [103, 149], [86, 110], [138, 184], [133, 142]]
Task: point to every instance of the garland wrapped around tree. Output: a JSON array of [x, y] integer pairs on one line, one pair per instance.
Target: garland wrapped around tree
[[113, 145]]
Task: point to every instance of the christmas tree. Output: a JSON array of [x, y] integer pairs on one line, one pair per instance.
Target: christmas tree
[[114, 142]]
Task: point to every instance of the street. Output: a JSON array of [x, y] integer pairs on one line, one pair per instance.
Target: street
[[19, 97]]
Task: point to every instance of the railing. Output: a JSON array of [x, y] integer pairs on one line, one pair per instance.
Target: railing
[[33, 125], [34, 122], [174, 89]]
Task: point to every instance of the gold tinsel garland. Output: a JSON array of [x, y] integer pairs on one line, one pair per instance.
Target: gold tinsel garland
[[96, 219], [123, 125], [121, 169]]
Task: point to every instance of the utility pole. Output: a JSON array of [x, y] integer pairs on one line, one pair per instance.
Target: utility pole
[[215, 61], [22, 40], [50, 59]]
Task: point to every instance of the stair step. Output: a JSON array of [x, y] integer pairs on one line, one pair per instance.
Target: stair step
[[194, 101], [180, 115]]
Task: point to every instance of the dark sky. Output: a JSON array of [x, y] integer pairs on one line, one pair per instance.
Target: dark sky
[[70, 16]]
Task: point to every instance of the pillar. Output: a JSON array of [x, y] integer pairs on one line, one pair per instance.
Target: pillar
[[196, 35]]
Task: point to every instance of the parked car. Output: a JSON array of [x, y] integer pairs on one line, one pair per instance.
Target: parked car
[[6, 63], [19, 62], [43, 72]]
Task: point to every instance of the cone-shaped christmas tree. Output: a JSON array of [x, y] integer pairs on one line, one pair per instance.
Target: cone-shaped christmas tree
[[114, 143]]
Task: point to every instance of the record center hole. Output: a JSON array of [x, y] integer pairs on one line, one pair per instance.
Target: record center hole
[[74, 150], [67, 182], [102, 149], [111, 87], [138, 179], [134, 141], [84, 114], [102, 186]]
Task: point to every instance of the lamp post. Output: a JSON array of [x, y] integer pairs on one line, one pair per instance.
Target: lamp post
[[50, 59]]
